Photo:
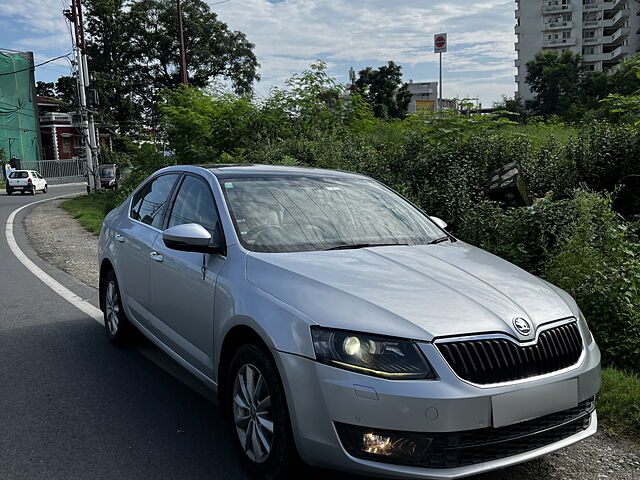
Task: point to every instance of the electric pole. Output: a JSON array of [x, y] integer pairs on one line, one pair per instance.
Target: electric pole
[[183, 57], [82, 77]]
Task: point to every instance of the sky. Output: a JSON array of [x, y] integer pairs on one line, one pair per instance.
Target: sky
[[289, 35]]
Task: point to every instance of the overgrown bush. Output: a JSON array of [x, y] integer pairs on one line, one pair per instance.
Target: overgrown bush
[[597, 260]]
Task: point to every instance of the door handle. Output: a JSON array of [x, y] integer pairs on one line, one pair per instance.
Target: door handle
[[119, 237], [156, 256]]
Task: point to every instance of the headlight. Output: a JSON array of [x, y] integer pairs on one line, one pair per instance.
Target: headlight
[[585, 328], [370, 354]]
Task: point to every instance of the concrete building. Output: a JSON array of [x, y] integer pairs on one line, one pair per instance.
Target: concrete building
[[424, 96], [604, 32], [60, 138]]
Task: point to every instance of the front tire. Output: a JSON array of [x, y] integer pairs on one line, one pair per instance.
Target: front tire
[[45, 189], [258, 414], [115, 321]]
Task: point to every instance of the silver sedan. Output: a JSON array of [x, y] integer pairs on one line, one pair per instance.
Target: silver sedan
[[343, 327]]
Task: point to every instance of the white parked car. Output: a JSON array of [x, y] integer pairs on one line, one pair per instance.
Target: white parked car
[[26, 181]]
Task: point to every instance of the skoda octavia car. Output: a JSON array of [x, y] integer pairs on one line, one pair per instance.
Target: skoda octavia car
[[341, 325]]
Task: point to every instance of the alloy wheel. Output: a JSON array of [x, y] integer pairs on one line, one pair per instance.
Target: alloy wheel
[[112, 305], [253, 413]]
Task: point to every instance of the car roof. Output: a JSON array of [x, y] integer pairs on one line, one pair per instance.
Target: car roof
[[253, 170]]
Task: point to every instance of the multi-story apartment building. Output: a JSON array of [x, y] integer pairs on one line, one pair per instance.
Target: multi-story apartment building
[[604, 32]]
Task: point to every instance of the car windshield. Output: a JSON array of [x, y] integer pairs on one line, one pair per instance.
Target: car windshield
[[106, 172], [19, 175], [298, 213]]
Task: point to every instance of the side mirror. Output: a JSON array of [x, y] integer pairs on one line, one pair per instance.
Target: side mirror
[[438, 221], [190, 237]]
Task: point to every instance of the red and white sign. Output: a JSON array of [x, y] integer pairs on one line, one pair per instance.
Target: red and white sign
[[440, 43]]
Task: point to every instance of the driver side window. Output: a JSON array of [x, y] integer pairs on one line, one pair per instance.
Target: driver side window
[[195, 204]]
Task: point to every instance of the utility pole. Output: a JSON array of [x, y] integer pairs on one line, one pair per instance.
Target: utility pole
[[86, 115], [183, 57]]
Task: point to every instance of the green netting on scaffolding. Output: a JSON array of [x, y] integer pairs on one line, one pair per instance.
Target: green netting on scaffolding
[[19, 136]]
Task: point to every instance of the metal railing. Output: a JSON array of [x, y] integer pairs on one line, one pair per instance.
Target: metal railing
[[60, 168]]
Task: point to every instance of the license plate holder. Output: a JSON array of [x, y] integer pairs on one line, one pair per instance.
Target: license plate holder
[[533, 402], [18, 188]]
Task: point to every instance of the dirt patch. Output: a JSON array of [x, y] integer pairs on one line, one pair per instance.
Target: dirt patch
[[600, 457], [60, 240]]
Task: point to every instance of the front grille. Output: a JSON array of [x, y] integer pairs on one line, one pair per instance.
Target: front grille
[[459, 449], [498, 360]]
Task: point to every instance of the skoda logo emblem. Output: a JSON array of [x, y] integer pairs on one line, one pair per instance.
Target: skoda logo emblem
[[522, 326]]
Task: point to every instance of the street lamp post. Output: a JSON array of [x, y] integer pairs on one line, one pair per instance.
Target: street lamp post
[[10, 141]]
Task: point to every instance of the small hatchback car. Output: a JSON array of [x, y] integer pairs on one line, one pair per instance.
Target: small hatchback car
[[341, 325], [26, 181]]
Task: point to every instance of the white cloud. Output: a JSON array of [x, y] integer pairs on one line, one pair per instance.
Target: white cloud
[[291, 34], [345, 32]]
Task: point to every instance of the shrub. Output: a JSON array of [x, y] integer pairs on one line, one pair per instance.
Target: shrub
[[598, 261]]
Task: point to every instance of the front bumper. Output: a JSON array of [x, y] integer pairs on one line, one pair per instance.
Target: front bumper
[[319, 397]]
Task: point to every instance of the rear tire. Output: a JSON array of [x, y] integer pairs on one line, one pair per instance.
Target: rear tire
[[33, 191], [258, 415], [9, 192], [116, 324]]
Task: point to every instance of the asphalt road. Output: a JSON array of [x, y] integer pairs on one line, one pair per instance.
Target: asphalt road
[[74, 407]]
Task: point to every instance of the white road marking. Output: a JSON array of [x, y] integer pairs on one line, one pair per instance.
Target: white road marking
[[81, 304]]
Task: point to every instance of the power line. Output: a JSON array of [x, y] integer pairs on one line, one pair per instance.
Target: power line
[[35, 66]]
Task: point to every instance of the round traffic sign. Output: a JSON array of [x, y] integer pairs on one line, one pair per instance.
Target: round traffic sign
[[440, 42]]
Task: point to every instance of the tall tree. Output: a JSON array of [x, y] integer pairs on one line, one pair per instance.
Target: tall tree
[[384, 90], [44, 89], [134, 54], [66, 90], [111, 57], [212, 50], [556, 80]]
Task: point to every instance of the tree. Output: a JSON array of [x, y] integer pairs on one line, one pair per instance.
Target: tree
[[44, 89], [556, 79], [111, 57], [66, 90], [624, 79], [384, 90], [212, 50], [134, 54]]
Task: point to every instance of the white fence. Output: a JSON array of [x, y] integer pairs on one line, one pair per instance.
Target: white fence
[[59, 168]]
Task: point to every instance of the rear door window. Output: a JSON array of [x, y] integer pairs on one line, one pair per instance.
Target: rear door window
[[150, 204]]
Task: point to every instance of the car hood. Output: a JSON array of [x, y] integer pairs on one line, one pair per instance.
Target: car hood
[[420, 292]]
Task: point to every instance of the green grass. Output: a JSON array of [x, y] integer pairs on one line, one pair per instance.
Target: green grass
[[619, 403], [89, 210]]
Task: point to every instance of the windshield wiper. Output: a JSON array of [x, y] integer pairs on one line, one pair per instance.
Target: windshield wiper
[[439, 240], [355, 246]]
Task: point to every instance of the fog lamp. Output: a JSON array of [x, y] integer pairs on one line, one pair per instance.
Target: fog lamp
[[376, 444], [406, 448]]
